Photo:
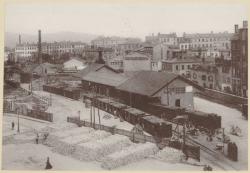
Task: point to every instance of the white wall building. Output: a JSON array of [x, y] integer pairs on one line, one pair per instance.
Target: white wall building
[[136, 62]]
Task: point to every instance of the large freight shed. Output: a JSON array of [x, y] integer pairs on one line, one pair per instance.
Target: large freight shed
[[156, 126], [133, 115], [209, 121]]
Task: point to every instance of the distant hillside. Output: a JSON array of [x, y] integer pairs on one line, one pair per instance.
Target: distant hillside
[[12, 38]]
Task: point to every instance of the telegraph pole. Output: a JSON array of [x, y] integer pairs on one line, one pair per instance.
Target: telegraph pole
[[18, 129]]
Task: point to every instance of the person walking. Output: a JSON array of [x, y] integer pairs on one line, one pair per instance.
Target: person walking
[[48, 165], [12, 125], [37, 138]]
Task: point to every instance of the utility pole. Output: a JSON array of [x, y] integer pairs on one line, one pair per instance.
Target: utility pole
[[79, 112], [91, 114], [50, 96], [223, 139], [18, 128], [184, 137]]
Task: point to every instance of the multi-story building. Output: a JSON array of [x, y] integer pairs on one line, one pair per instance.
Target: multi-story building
[[213, 76], [112, 42], [127, 47], [224, 75], [135, 61], [169, 39], [239, 50], [219, 41], [116, 63], [180, 66], [204, 75], [25, 51]]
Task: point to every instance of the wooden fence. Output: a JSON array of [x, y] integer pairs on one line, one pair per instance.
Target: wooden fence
[[133, 136], [21, 109], [191, 151]]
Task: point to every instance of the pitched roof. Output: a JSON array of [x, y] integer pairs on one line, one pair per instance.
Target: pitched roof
[[110, 79], [150, 82], [136, 55], [147, 82], [88, 69]]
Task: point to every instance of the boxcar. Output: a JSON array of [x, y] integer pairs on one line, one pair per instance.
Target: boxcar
[[156, 126], [245, 111], [72, 93], [133, 115], [206, 120]]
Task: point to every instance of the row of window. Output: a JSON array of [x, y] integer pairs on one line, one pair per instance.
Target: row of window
[[116, 63], [203, 77], [183, 67], [211, 39], [202, 45], [178, 90]]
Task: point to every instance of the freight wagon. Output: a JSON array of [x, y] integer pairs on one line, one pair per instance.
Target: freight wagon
[[153, 125], [208, 121], [69, 92], [156, 126]]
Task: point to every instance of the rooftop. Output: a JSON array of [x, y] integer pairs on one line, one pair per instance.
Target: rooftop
[[136, 55], [154, 119], [184, 60], [109, 79], [147, 82], [209, 35]]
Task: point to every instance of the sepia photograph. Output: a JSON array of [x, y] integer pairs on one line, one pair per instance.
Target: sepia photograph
[[125, 86]]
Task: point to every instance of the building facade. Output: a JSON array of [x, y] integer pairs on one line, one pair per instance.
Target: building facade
[[114, 42], [25, 51], [205, 76], [136, 62], [218, 41], [239, 50], [180, 66]]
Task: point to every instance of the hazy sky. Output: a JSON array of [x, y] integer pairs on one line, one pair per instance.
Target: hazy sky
[[122, 19]]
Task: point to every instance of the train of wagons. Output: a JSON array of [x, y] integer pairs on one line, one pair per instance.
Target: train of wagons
[[151, 122]]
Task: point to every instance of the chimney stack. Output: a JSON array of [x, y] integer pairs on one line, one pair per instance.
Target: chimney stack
[[236, 28], [19, 40], [39, 46], [244, 23]]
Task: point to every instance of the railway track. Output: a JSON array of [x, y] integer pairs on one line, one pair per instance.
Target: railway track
[[213, 156]]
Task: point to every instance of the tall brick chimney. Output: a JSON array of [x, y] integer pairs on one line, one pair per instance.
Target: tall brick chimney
[[236, 28], [39, 46], [19, 39]]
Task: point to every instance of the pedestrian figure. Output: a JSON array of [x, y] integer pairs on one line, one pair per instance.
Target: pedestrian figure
[[12, 125], [48, 165], [37, 138]]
